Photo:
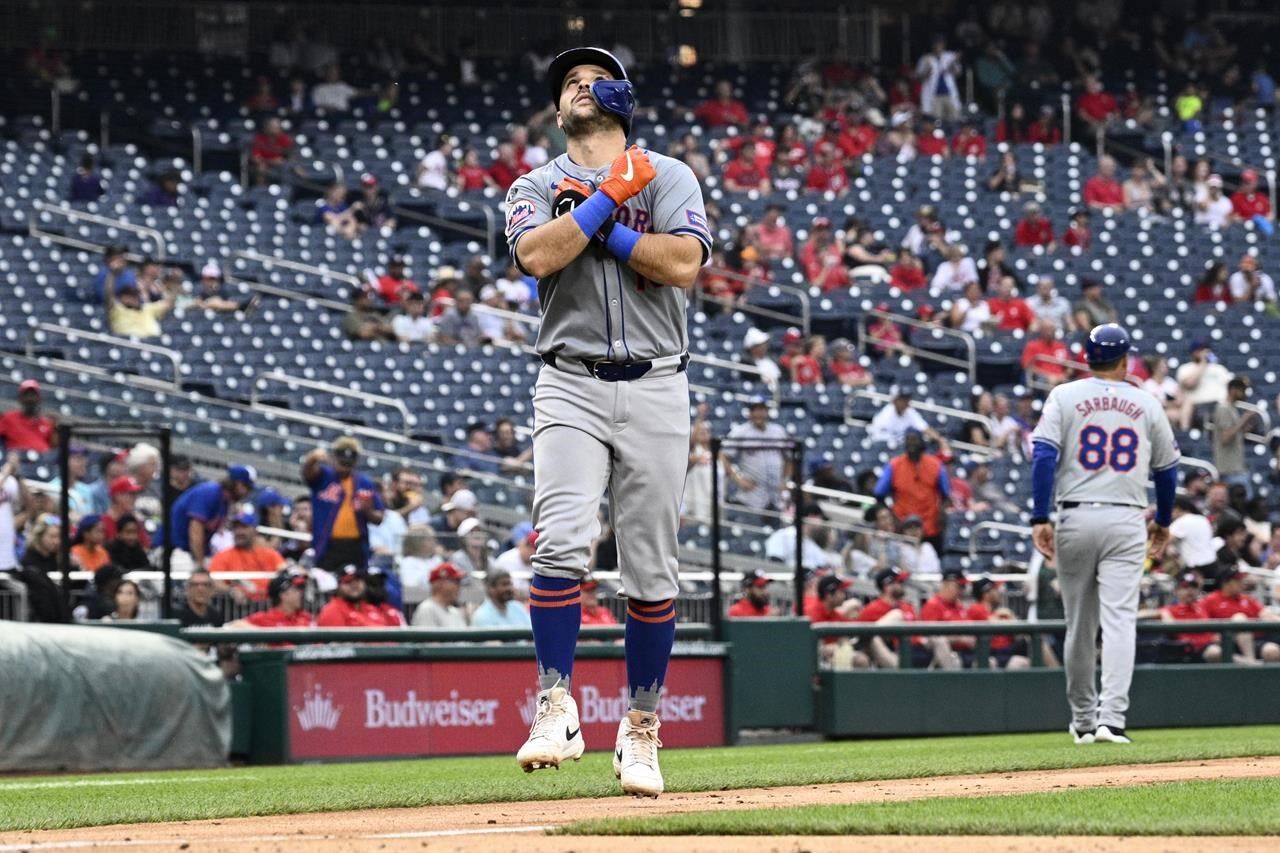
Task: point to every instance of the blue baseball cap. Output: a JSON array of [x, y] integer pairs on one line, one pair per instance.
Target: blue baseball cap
[[247, 519], [242, 474]]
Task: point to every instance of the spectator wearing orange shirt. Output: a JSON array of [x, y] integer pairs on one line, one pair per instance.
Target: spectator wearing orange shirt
[[349, 609], [1038, 354], [1034, 228], [754, 602], [806, 369], [1008, 309], [1247, 202], [1103, 190], [723, 110], [246, 555], [918, 484], [1231, 602], [743, 173], [968, 142], [1195, 646], [25, 428], [988, 606], [88, 551], [593, 612]]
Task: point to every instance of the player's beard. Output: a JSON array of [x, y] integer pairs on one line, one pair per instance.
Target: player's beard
[[577, 125]]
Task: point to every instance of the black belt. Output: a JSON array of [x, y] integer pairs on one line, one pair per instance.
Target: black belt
[[1074, 504], [612, 371]]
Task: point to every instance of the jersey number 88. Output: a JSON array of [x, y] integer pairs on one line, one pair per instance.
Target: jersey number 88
[[1118, 451]]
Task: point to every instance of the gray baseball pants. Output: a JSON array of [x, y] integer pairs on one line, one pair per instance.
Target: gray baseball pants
[[629, 438], [1100, 550]]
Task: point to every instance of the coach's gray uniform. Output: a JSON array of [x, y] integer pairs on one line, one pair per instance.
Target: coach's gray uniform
[[631, 437], [1110, 436]]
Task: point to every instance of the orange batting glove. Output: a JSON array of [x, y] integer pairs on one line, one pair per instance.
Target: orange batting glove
[[630, 173]]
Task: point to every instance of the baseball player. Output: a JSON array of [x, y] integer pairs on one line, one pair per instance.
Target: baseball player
[[1100, 439], [614, 235]]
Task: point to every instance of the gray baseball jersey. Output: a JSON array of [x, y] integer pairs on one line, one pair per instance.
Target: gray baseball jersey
[[1110, 436], [598, 308]]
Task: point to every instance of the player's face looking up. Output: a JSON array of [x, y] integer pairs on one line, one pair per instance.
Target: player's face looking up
[[579, 114]]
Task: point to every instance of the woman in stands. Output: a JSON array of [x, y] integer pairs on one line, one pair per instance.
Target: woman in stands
[[126, 549], [128, 599], [39, 560], [88, 552], [1213, 285]]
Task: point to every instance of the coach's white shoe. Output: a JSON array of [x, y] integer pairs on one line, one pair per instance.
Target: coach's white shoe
[[555, 735], [1081, 737], [635, 755], [1111, 734]]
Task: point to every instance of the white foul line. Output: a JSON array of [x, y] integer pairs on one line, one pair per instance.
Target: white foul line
[[258, 839], [453, 833]]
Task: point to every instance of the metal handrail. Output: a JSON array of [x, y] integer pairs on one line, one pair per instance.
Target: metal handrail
[[175, 357], [269, 261], [1203, 464], [836, 494], [881, 397], [197, 149], [1020, 529], [970, 364], [1263, 417], [285, 293], [800, 293], [288, 379], [74, 215], [1035, 382]]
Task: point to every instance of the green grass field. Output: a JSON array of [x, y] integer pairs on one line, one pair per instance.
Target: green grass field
[[72, 801], [1219, 807]]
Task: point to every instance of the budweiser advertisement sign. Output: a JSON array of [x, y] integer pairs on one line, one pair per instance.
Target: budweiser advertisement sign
[[369, 709]]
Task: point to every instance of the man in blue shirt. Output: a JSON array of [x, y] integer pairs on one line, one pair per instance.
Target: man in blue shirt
[[114, 261], [344, 502], [500, 610], [201, 509]]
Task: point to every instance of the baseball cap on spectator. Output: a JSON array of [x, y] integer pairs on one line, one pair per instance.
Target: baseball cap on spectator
[[347, 449], [448, 478], [368, 180], [754, 338], [284, 580], [245, 519], [495, 576], [821, 222], [1188, 579], [758, 400], [446, 572], [29, 385], [884, 577], [819, 464], [1230, 575], [1198, 344], [984, 583], [211, 270], [955, 575], [521, 531], [756, 578], [242, 474], [124, 485], [1249, 176], [351, 572], [830, 584], [444, 274], [899, 391], [1087, 283], [911, 521], [792, 335], [463, 499], [468, 525]]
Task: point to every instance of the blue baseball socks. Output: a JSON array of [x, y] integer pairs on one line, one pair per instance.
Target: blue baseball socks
[[555, 609], [651, 631]]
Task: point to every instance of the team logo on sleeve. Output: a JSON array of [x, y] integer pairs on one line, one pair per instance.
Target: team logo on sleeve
[[519, 213], [697, 220]]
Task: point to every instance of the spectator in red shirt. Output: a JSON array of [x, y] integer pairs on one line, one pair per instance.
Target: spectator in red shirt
[[394, 285], [1192, 647], [349, 609], [1247, 202], [907, 273], [593, 612], [891, 608], [381, 609], [806, 369], [743, 173], [723, 110], [792, 347], [1095, 107], [988, 606], [272, 148], [1010, 310], [968, 142], [1034, 229], [771, 236], [859, 138], [507, 167], [832, 603], [754, 602], [826, 174], [286, 593], [1044, 130], [1078, 232], [1012, 126], [25, 428], [822, 257], [930, 141], [945, 606], [1038, 351], [1230, 602], [123, 496], [1212, 286], [765, 148], [844, 368], [1103, 190], [471, 175]]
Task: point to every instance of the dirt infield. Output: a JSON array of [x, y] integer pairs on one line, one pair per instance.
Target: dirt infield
[[521, 826]]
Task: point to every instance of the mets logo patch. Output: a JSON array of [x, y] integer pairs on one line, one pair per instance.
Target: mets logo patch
[[519, 213]]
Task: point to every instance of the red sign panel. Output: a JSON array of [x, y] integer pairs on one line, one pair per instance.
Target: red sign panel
[[370, 709]]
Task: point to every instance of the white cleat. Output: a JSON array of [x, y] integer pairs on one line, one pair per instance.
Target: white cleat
[[1081, 736], [555, 735], [635, 755], [1111, 734]]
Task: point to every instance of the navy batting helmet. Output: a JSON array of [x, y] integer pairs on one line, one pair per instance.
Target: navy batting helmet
[[616, 96], [1106, 343]]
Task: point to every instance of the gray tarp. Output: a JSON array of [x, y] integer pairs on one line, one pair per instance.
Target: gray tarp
[[76, 697]]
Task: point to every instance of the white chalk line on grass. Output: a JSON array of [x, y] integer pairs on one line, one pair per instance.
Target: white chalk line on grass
[[260, 839], [109, 783]]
